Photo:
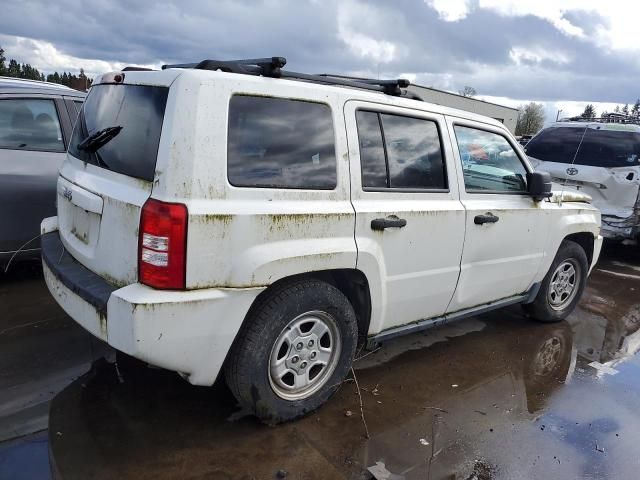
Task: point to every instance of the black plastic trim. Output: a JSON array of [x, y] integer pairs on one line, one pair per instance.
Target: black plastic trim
[[88, 285], [420, 325]]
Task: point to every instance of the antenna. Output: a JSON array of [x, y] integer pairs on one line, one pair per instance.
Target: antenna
[[575, 155]]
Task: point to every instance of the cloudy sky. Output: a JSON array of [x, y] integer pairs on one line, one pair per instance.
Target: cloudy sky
[[564, 53]]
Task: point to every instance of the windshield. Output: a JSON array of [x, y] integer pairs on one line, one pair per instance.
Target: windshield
[[136, 113], [603, 146]]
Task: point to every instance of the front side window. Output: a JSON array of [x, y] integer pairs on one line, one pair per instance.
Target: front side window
[[489, 162], [280, 143], [30, 124], [400, 152]]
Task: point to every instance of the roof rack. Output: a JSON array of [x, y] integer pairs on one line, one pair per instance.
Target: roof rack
[[272, 67], [607, 118], [131, 68]]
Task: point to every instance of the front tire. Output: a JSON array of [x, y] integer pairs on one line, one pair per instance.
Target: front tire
[[563, 285], [294, 350]]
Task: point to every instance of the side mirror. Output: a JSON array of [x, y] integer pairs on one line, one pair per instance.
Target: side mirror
[[539, 185]]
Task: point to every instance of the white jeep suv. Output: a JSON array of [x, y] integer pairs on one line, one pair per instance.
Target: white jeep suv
[[235, 217]]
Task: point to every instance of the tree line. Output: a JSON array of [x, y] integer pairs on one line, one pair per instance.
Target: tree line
[[633, 112], [24, 70], [531, 115]]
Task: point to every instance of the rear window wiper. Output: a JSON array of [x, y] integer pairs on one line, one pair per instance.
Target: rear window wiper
[[98, 139]]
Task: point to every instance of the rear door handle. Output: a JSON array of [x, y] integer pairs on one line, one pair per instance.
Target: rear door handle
[[486, 218], [390, 222]]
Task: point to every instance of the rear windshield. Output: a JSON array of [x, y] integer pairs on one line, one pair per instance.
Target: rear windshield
[[137, 112], [601, 147]]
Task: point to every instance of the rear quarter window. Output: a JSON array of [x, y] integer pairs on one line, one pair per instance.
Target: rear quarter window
[[280, 143]]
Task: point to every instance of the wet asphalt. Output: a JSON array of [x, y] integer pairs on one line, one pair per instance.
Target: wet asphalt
[[491, 397]]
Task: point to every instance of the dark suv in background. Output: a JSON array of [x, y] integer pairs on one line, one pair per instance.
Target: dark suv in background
[[36, 119]]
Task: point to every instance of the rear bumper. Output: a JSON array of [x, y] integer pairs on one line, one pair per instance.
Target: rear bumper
[[186, 331]]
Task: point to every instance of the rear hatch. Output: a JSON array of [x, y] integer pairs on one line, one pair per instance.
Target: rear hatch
[[606, 166], [110, 169]]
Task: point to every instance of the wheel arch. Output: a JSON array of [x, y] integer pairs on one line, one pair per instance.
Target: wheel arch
[[351, 282], [586, 240]]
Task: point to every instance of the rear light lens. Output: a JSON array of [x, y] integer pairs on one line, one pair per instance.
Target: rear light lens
[[162, 251]]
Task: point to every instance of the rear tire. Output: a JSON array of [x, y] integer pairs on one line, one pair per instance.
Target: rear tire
[[294, 350], [563, 285]]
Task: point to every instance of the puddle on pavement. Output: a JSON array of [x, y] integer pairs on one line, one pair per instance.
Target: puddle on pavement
[[495, 396], [41, 351]]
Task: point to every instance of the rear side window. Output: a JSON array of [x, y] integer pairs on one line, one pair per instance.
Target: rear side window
[[280, 143], [602, 146], [397, 151], [131, 117], [30, 124]]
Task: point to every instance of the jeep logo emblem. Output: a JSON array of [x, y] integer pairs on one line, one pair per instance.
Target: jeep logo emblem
[[572, 171], [66, 193]]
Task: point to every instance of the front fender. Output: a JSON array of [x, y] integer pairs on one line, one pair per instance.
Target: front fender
[[567, 220]]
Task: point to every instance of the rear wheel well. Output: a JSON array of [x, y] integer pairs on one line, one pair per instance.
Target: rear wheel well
[[585, 240], [351, 282]]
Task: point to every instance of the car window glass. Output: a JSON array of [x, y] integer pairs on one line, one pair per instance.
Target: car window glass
[[372, 158], [609, 149], [489, 162], [30, 124], [280, 143], [607, 146], [414, 152], [404, 153], [78, 104], [555, 144]]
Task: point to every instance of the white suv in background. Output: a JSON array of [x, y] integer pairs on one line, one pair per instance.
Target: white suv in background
[[600, 158], [235, 217]]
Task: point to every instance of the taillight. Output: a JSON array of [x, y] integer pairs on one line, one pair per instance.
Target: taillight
[[162, 251]]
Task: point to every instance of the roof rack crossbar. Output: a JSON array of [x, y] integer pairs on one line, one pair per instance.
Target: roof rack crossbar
[[390, 87], [332, 81], [269, 67], [272, 67]]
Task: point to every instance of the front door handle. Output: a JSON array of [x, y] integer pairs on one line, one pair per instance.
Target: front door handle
[[486, 218], [390, 222]]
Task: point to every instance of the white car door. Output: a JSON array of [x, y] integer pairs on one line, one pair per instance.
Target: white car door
[[409, 219], [505, 229]]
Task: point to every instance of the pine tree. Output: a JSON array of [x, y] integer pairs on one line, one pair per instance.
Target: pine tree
[[589, 112], [625, 109], [14, 69], [635, 110]]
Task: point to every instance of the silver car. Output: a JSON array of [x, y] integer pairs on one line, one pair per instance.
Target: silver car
[[36, 119]]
